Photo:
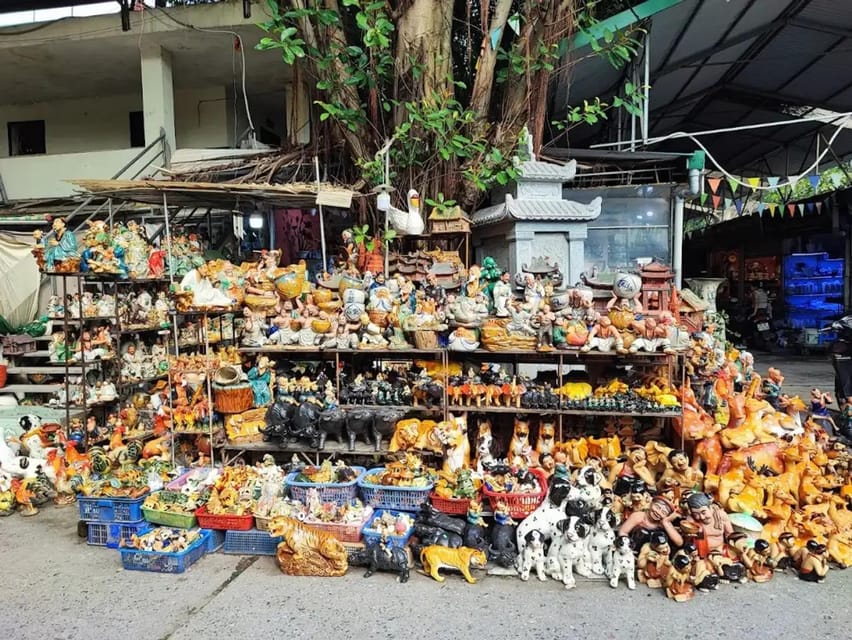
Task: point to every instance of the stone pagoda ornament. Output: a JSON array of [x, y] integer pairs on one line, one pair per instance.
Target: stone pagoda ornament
[[530, 223]]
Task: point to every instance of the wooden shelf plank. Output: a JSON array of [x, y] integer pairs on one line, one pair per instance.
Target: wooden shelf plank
[[31, 388]]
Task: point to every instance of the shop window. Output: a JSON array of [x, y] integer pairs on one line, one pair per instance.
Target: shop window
[[634, 226], [137, 129], [26, 138]]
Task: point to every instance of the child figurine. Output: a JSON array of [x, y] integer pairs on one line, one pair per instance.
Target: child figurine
[[678, 583], [474, 514], [819, 408], [604, 337], [812, 562], [771, 387], [653, 561]]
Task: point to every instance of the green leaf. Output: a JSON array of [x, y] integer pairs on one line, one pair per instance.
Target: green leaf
[[375, 6], [361, 21]]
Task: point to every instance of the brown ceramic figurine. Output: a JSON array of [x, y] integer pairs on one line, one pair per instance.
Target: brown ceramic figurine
[[678, 579], [306, 551], [641, 526], [604, 337], [812, 562], [783, 551], [653, 562]]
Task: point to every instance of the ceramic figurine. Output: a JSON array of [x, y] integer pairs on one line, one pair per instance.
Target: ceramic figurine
[[679, 470], [436, 557], [131, 363], [533, 556], [24, 496], [378, 556], [260, 378], [253, 329], [604, 337], [782, 552], [756, 559], [462, 339], [568, 552], [678, 579], [641, 525], [307, 551], [501, 293], [623, 563], [771, 387], [60, 253], [708, 523], [653, 563], [621, 474], [650, 337], [820, 401], [59, 350], [543, 323], [812, 562]]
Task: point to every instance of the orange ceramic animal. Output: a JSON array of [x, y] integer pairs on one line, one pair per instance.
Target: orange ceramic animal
[[546, 438], [156, 447], [519, 446], [708, 451]]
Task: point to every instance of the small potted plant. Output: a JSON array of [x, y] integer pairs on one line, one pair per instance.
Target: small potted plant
[[371, 248]]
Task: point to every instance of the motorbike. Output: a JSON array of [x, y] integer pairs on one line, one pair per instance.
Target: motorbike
[[840, 350]]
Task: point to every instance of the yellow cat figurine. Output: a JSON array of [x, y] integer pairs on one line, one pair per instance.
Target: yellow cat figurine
[[436, 557]]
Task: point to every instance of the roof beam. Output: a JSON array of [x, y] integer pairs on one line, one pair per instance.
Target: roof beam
[[718, 43], [813, 25], [711, 51]]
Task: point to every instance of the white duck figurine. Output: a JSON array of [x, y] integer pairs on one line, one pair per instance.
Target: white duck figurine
[[407, 223]]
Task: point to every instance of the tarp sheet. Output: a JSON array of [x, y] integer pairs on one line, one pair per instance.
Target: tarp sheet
[[19, 279]]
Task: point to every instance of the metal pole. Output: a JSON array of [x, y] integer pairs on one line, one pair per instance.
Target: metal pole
[[646, 88], [677, 240], [683, 134], [322, 222]]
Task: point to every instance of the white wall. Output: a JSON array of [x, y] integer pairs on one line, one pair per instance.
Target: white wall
[[71, 126], [26, 177], [201, 119]]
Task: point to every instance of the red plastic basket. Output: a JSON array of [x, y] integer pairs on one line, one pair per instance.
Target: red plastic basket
[[227, 523], [455, 506], [520, 504]]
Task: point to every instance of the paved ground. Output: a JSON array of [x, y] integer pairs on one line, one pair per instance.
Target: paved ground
[[55, 586]]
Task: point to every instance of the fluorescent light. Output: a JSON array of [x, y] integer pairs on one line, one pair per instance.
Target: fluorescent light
[[256, 221]]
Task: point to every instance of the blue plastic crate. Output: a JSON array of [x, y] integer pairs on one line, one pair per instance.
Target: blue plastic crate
[[215, 540], [393, 541], [110, 510], [111, 534], [338, 493], [250, 543], [399, 498], [136, 560]]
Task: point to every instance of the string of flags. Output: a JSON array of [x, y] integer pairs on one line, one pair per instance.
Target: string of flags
[[754, 194]]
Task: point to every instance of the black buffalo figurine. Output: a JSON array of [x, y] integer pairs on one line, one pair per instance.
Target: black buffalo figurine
[[331, 423], [379, 557], [384, 423], [358, 423]]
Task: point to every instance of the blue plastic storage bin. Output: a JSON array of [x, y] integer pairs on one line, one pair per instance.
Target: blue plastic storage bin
[[250, 543], [111, 510], [400, 498], [393, 541], [111, 534], [136, 560]]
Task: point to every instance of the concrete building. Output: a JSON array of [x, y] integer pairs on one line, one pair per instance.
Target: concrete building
[[82, 97]]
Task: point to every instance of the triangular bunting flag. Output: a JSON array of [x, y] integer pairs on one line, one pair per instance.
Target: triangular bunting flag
[[714, 184], [772, 206], [819, 207], [792, 209], [733, 183], [728, 203], [837, 179], [754, 183], [738, 203], [716, 200], [772, 180], [814, 180], [801, 209], [760, 207], [810, 207], [793, 181], [704, 198]]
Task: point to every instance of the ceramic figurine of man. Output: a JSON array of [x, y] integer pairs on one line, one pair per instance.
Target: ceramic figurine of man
[[502, 293], [640, 525], [680, 470], [771, 387], [712, 524], [543, 322], [650, 337], [604, 337], [62, 246]]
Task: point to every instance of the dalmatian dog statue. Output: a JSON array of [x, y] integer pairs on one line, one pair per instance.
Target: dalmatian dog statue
[[547, 516], [623, 563], [533, 556], [598, 557], [589, 482], [572, 549]]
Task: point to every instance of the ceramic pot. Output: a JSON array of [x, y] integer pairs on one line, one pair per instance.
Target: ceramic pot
[[321, 295], [706, 288], [354, 296], [348, 282], [626, 285], [289, 284]]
